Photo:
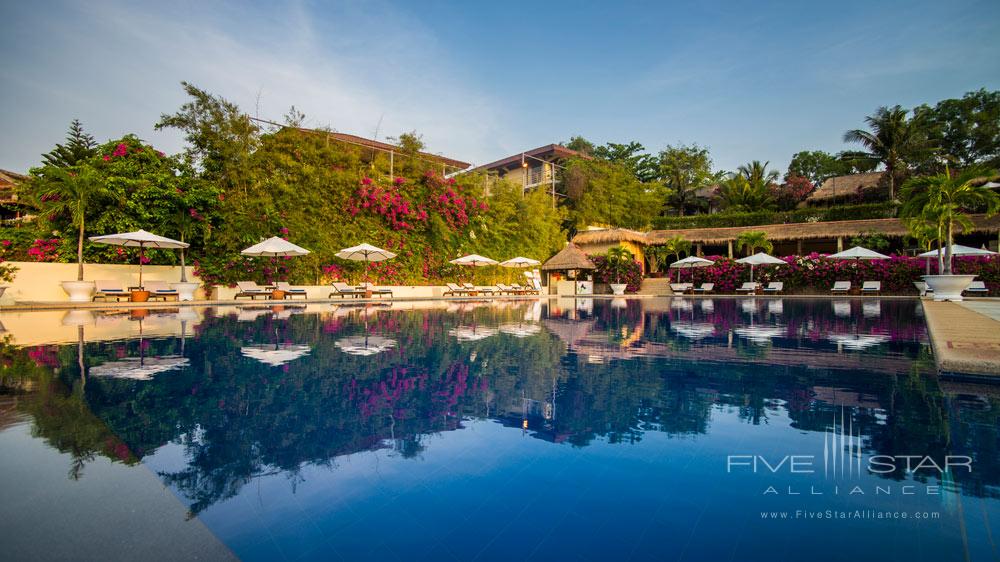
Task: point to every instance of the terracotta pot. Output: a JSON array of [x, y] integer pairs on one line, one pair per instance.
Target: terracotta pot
[[139, 296], [278, 295]]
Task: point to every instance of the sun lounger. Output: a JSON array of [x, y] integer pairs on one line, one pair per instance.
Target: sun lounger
[[343, 290], [484, 290], [251, 290], [160, 290], [525, 290], [841, 287], [379, 291], [748, 287], [455, 290], [705, 288], [508, 290], [109, 289], [774, 287], [681, 288], [871, 287], [290, 291], [978, 288]]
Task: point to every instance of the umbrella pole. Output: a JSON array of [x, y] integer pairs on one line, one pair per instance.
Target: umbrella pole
[[142, 250]]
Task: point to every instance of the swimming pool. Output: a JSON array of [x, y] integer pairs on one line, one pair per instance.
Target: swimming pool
[[648, 429]]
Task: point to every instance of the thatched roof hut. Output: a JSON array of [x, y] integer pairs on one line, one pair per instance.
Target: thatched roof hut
[[610, 236], [569, 258], [844, 186]]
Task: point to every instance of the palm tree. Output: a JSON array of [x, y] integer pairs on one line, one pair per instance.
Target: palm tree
[[757, 173], [753, 240], [739, 194], [894, 141], [618, 259], [676, 246], [73, 191], [948, 200]]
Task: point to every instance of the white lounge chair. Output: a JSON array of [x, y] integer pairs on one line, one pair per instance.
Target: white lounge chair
[[343, 290], [380, 291], [681, 288], [841, 287], [289, 290], [484, 290], [775, 287], [455, 290], [978, 288], [251, 290], [109, 289], [160, 290], [871, 287], [749, 287], [705, 288]]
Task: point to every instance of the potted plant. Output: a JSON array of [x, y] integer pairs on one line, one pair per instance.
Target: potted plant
[[943, 201], [618, 261], [73, 190]]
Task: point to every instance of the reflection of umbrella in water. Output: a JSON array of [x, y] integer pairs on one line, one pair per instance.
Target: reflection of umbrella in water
[[759, 334], [471, 333], [139, 368], [521, 330], [365, 345], [276, 354], [693, 330], [857, 341]]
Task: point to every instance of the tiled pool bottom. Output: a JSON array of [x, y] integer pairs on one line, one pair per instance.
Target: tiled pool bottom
[[648, 430]]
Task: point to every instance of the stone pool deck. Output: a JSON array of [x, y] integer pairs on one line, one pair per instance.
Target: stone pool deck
[[965, 336]]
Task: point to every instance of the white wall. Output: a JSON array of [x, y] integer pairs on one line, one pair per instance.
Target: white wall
[[39, 281]]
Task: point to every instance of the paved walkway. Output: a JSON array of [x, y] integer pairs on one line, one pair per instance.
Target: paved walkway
[[965, 336]]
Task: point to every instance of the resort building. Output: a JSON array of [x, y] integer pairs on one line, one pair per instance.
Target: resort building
[[844, 189], [788, 239], [10, 206], [532, 169]]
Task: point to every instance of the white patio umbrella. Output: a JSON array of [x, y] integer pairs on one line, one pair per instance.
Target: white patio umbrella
[[274, 247], [858, 253], [760, 258], [474, 260], [689, 262], [366, 253], [956, 250], [520, 262], [140, 239]]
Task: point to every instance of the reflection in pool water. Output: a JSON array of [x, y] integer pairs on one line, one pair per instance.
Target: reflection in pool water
[[657, 428]]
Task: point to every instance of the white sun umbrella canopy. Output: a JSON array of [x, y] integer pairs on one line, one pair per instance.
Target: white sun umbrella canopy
[[366, 253], [139, 239], [274, 247], [858, 253], [690, 262], [474, 260], [959, 250], [760, 258], [520, 262]]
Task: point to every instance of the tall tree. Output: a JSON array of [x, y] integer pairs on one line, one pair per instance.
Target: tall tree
[[684, 170], [581, 145], [816, 165], [79, 147], [894, 140], [738, 194], [632, 157], [967, 130], [609, 194]]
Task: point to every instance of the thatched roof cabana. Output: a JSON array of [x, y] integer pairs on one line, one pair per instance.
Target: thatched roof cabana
[[610, 236], [569, 258], [844, 186]]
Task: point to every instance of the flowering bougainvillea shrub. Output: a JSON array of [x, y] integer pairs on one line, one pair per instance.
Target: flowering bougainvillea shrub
[[632, 276]]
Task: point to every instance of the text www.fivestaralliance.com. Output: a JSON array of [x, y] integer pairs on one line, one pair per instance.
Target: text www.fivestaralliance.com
[[868, 514]]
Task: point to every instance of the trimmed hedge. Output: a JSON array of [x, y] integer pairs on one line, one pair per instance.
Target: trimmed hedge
[[840, 213]]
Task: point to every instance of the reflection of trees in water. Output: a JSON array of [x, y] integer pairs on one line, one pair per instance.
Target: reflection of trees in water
[[239, 419]]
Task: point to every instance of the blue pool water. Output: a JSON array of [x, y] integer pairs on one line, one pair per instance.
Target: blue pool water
[[656, 429]]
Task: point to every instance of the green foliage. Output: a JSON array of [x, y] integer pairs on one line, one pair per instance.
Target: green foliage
[[894, 140], [618, 266], [947, 200], [738, 194], [841, 212], [580, 145], [632, 157], [606, 193], [873, 240], [818, 165], [684, 170], [967, 130], [79, 147], [753, 240]]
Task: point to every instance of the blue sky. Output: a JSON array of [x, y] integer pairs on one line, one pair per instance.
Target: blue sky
[[483, 80]]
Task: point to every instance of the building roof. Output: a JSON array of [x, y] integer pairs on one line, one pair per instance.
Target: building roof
[[9, 179], [807, 230], [549, 151], [610, 235], [843, 186], [570, 257]]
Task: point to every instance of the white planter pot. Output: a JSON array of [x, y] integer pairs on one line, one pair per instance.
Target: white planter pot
[[948, 287], [185, 291], [618, 288], [79, 291]]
